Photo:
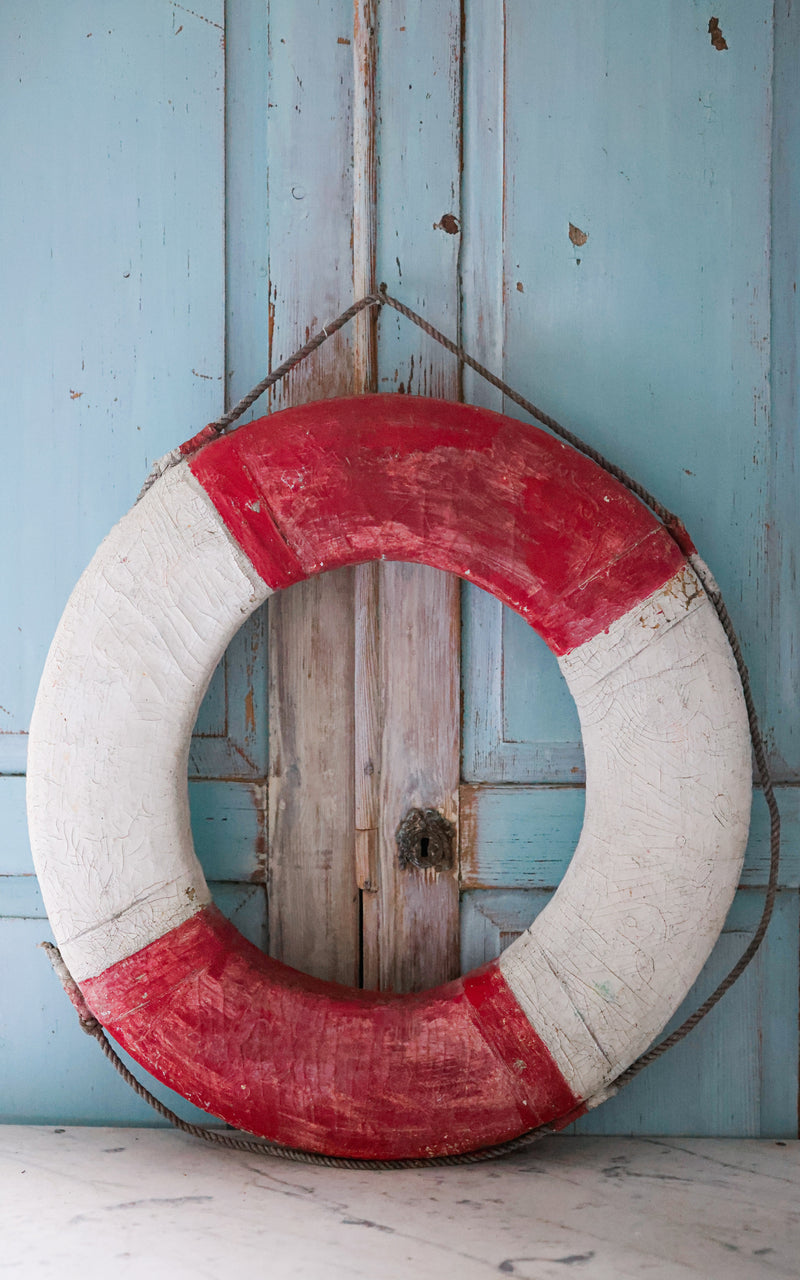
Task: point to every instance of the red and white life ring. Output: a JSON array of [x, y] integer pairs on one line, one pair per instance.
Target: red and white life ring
[[534, 1037]]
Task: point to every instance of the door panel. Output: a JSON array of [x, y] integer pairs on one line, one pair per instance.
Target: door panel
[[628, 292]]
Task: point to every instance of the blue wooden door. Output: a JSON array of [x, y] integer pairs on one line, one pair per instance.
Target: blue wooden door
[[599, 199], [620, 253]]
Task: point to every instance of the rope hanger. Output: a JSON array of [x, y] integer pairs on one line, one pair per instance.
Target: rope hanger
[[677, 531]]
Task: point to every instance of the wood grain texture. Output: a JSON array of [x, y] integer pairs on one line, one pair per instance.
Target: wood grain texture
[[368, 698], [368, 709], [419, 640], [310, 191], [410, 927], [313, 906], [365, 190], [313, 899]]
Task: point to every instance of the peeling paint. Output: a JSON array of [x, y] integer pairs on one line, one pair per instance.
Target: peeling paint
[[449, 223], [717, 38]]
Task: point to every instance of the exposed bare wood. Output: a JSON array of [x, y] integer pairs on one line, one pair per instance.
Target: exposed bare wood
[[418, 910], [313, 901], [410, 936], [367, 698]]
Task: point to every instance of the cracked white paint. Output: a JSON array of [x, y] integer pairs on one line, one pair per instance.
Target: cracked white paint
[[133, 655], [668, 792]]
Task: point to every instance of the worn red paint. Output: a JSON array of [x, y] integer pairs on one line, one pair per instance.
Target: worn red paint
[[494, 500], [323, 1067]]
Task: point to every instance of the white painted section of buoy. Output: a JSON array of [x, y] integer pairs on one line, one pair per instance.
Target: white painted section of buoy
[[665, 735], [130, 662]]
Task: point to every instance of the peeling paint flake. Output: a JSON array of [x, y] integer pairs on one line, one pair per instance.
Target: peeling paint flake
[[449, 223], [717, 38]]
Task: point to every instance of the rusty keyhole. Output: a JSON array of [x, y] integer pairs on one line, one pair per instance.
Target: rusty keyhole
[[426, 840]]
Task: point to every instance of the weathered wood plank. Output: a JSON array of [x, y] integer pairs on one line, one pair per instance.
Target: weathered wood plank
[[365, 190], [310, 146], [419, 214], [523, 837], [483, 198], [418, 937], [368, 700], [313, 900], [411, 928], [367, 692]]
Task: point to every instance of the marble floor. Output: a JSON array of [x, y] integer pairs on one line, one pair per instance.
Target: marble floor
[[83, 1203]]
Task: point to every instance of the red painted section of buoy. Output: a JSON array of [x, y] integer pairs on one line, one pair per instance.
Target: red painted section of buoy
[[497, 501], [316, 1065]]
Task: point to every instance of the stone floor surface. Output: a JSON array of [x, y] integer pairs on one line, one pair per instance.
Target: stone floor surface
[[146, 1203]]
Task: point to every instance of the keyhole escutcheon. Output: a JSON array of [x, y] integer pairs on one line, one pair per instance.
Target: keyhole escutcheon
[[426, 840]]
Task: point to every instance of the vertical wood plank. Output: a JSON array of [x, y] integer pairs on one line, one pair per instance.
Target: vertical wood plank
[[483, 199], [410, 927], [313, 901], [367, 691], [369, 719], [418, 910], [310, 148], [419, 211], [783, 528], [365, 189]]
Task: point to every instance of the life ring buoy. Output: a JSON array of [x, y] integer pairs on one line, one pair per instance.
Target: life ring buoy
[[532, 1038]]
